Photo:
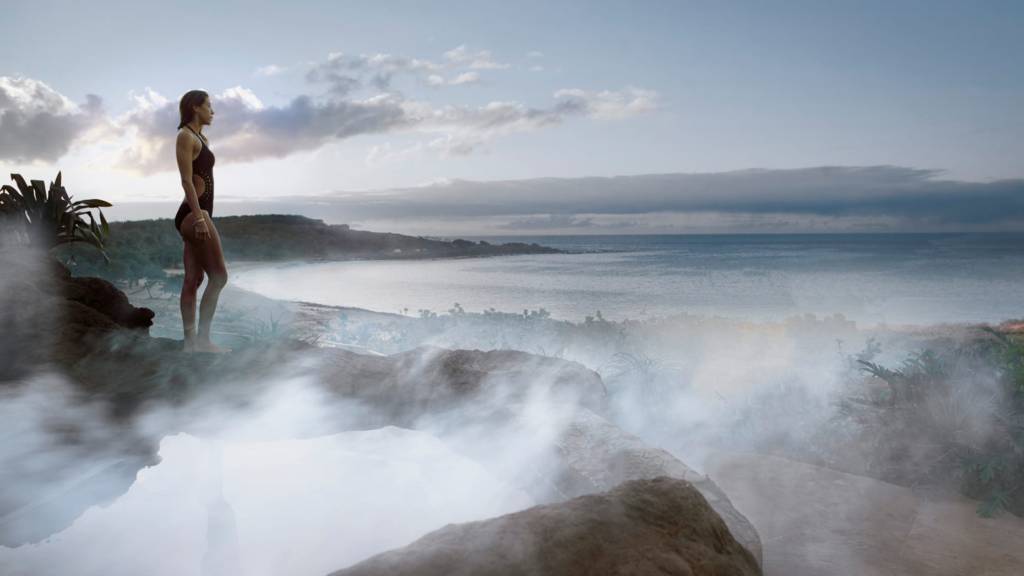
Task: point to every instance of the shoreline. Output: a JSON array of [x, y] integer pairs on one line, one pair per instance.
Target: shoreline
[[242, 311], [1012, 324], [940, 328]]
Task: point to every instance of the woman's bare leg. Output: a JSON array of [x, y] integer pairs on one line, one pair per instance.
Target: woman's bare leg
[[189, 289], [216, 270], [211, 256]]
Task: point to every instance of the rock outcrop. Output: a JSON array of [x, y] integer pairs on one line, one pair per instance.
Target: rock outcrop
[[819, 521], [652, 526], [429, 379], [46, 315], [591, 454], [599, 455], [51, 278]]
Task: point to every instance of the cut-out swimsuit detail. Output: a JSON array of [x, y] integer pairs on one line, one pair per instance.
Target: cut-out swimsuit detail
[[202, 166]]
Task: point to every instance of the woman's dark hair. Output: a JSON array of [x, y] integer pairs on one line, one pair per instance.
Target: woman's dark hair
[[191, 99]]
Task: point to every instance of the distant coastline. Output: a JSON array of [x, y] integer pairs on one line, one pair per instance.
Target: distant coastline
[[907, 279], [148, 248]]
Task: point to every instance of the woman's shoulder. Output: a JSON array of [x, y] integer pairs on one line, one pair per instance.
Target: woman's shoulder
[[188, 130], [184, 132]]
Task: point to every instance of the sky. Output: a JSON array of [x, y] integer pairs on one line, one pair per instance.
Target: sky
[[527, 117]]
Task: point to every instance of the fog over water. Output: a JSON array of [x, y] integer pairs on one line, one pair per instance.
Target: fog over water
[[869, 278]]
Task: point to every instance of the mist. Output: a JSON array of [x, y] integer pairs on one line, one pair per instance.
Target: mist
[[260, 476], [284, 470]]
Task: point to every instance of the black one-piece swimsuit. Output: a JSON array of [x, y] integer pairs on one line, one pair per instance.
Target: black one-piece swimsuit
[[203, 167]]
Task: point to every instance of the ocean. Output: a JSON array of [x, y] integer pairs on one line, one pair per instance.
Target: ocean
[[873, 279]]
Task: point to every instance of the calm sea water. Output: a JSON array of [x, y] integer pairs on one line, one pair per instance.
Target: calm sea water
[[870, 278]]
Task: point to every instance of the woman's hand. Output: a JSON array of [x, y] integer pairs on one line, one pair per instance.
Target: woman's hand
[[201, 228]]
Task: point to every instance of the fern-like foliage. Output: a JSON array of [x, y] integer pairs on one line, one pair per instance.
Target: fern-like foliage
[[942, 397], [47, 217]]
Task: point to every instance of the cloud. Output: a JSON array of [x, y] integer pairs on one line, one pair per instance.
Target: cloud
[[248, 130], [385, 153], [270, 70], [245, 129], [345, 74], [450, 145], [465, 129], [149, 99], [819, 198], [466, 78], [436, 80], [562, 221], [480, 60], [39, 123], [243, 95], [608, 104]]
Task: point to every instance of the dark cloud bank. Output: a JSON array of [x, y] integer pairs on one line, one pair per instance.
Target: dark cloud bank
[[877, 197]]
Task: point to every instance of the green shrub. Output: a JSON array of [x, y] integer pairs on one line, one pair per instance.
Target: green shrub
[[968, 400]]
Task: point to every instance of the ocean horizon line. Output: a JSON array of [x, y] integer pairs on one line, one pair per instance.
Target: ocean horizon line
[[989, 233]]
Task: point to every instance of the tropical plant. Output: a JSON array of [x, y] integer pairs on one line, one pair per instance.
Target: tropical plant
[[924, 373], [49, 217], [976, 424], [656, 379], [268, 331]]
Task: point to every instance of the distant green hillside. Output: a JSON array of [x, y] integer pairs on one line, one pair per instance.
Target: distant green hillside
[[144, 248]]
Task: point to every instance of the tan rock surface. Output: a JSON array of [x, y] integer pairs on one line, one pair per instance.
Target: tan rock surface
[[816, 521], [598, 456], [657, 526]]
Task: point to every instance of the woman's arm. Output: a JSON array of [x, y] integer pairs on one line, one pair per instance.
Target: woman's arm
[[183, 147]]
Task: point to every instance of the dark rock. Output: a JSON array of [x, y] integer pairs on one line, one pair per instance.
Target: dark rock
[[104, 297], [44, 284], [652, 526], [48, 316]]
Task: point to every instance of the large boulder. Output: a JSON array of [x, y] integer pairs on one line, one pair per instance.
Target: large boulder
[[598, 455], [653, 526], [591, 454], [46, 315], [429, 380], [104, 297]]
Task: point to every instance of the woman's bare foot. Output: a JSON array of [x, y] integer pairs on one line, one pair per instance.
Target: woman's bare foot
[[207, 346]]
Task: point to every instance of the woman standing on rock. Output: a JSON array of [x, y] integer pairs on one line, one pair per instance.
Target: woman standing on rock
[[202, 243]]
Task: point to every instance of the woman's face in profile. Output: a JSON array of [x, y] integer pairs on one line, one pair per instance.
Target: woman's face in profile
[[205, 112]]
